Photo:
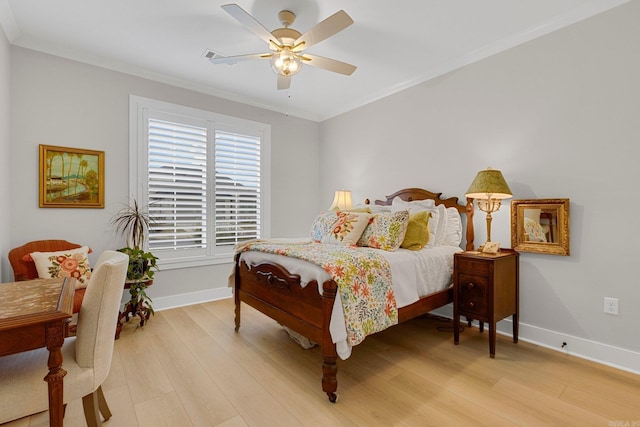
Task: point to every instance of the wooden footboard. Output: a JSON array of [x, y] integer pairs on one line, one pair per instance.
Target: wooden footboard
[[272, 290]]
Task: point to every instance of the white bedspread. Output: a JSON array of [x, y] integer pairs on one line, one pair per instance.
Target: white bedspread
[[415, 274]]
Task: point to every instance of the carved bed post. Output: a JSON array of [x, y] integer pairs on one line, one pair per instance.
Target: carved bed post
[[236, 291], [470, 232], [329, 355]]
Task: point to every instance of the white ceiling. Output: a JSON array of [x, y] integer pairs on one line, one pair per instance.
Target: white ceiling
[[395, 44]]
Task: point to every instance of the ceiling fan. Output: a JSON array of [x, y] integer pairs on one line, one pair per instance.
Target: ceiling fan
[[287, 45]]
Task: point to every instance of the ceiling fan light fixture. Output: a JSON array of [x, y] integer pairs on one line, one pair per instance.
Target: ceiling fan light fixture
[[286, 44], [286, 63]]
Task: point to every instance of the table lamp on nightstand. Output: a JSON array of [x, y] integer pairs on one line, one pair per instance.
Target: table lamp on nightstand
[[341, 201], [489, 187]]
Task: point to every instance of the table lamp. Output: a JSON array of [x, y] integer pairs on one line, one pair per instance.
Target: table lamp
[[341, 201], [489, 187]]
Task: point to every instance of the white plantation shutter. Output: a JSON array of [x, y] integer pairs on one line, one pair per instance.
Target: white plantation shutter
[[202, 176], [237, 206], [177, 186]]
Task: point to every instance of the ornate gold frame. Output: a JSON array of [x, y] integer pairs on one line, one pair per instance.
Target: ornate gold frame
[[560, 244], [71, 177]]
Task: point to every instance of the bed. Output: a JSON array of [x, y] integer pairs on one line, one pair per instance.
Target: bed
[[307, 305]]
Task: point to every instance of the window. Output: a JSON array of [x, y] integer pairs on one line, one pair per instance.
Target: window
[[203, 178]]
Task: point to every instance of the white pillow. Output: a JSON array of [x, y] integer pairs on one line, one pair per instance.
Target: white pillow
[[397, 204], [441, 230], [69, 263], [454, 228], [379, 208]]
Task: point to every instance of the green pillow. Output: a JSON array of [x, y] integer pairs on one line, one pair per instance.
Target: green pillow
[[417, 234]]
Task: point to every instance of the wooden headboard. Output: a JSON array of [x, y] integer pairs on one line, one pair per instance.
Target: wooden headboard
[[410, 194]]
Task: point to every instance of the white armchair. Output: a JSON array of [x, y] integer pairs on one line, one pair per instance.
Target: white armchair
[[86, 357]]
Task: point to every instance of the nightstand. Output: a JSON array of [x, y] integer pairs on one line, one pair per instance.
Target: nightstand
[[486, 288]]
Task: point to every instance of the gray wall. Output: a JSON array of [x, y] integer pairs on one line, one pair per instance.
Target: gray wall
[[65, 103], [559, 116]]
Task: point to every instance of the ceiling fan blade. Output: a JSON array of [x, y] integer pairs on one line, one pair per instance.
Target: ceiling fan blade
[[238, 58], [325, 29], [328, 64], [284, 82], [250, 22]]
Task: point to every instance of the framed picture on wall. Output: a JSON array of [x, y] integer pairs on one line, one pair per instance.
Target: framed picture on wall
[[71, 177]]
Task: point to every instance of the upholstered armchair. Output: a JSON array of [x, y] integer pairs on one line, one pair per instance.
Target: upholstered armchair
[[86, 357], [24, 267]]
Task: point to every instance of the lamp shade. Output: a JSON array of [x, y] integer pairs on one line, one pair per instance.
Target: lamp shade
[[489, 183], [341, 201]]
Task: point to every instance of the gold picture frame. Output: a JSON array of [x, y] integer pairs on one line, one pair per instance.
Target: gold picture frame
[[71, 177], [540, 225]]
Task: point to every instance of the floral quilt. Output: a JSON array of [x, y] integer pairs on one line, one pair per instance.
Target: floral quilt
[[363, 278]]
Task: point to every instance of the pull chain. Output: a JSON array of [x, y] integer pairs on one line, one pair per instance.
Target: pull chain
[[288, 104]]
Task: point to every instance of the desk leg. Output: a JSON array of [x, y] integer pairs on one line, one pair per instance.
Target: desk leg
[[54, 335]]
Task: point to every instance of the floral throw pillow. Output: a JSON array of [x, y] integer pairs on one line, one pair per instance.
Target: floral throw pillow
[[385, 231], [70, 263], [321, 225], [534, 231], [348, 228]]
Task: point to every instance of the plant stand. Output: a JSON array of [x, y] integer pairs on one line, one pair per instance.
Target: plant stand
[[136, 306]]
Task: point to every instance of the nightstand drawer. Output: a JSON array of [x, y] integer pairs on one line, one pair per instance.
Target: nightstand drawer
[[470, 265], [472, 294]]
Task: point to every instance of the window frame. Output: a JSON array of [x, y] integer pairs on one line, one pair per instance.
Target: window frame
[[139, 110]]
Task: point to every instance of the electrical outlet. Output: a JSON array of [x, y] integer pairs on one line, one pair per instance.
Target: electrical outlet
[[611, 305]]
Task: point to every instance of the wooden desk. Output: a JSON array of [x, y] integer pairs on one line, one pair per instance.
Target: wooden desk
[[34, 314]]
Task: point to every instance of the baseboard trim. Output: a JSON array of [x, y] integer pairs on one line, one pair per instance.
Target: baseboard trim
[[181, 300], [604, 354]]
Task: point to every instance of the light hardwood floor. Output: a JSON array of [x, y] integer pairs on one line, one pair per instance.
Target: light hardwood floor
[[187, 367]]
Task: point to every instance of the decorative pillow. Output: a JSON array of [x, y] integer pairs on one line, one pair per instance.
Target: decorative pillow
[[385, 231], [321, 225], [534, 231], [417, 234], [69, 263], [441, 229], [347, 229], [420, 205], [454, 228]]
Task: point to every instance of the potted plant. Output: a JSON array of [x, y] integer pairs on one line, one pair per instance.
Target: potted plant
[[141, 264], [133, 222]]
